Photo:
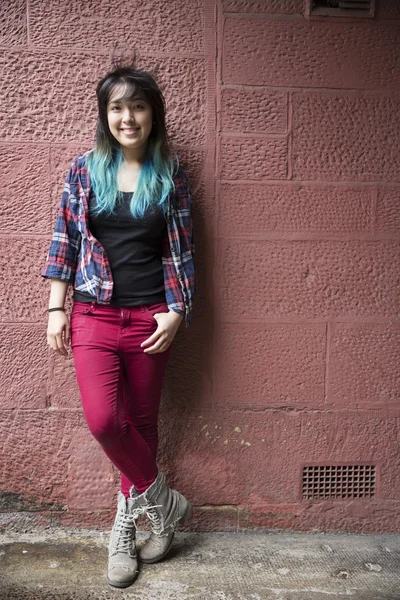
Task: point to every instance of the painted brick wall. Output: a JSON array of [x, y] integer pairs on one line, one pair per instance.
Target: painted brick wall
[[289, 130]]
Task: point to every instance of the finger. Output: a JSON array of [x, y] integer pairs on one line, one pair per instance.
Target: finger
[[51, 341], [159, 351], [153, 338], [162, 349], [54, 347], [68, 335], [152, 349], [157, 347], [60, 345]]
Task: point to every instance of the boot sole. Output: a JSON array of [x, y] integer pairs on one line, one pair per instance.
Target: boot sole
[[122, 585], [185, 517]]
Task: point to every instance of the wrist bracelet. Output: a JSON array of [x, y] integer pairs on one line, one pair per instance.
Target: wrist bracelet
[[58, 308]]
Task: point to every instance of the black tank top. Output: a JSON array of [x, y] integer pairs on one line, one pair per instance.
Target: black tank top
[[134, 251]]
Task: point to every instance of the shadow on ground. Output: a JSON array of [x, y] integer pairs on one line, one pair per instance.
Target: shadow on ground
[[207, 566]]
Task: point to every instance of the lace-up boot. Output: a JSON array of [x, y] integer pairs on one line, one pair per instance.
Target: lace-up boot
[[166, 508], [122, 559]]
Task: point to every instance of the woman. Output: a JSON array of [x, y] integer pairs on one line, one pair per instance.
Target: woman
[[123, 238]]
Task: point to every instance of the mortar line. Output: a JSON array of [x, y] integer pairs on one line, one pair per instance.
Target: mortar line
[[327, 359], [28, 31]]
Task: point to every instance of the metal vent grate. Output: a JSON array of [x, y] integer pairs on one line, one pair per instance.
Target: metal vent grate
[[339, 481], [342, 8]]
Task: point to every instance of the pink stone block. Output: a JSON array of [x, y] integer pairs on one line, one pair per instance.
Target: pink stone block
[[273, 365], [253, 110], [23, 366], [92, 481], [84, 519], [36, 452], [264, 452], [60, 108], [184, 84], [291, 280], [295, 209], [13, 29], [25, 297], [159, 26], [187, 381], [253, 158], [363, 370], [63, 388], [298, 52], [368, 516], [192, 161], [201, 178], [358, 145], [213, 518], [263, 6], [387, 211], [25, 176], [219, 482], [271, 516]]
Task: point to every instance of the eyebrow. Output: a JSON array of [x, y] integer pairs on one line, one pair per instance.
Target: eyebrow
[[134, 99]]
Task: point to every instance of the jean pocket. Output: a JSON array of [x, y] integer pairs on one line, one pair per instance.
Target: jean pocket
[[153, 309], [82, 308]]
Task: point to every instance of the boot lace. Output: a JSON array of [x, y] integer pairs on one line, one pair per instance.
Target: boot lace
[[124, 531], [136, 512], [155, 518]]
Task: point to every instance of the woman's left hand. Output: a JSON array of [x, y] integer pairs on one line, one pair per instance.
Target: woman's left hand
[[168, 324]]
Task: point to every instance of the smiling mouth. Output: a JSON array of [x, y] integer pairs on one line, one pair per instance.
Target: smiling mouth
[[130, 131]]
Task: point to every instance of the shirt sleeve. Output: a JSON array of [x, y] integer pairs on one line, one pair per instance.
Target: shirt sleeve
[[62, 256], [178, 252]]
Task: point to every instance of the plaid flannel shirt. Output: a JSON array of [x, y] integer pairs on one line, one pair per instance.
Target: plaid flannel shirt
[[77, 257]]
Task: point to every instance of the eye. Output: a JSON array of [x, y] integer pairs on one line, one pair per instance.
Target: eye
[[114, 108], [139, 106]]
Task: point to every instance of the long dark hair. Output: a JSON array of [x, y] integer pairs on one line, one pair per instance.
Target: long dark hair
[[155, 181]]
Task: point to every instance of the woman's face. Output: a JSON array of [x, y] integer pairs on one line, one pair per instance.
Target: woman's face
[[129, 118]]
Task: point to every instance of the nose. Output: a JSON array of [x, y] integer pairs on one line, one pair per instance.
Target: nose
[[128, 115]]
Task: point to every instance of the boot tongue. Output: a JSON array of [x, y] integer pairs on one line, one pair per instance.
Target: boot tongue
[[130, 503], [121, 501]]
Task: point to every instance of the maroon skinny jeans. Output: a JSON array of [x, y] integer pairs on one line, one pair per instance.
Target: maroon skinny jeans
[[120, 385]]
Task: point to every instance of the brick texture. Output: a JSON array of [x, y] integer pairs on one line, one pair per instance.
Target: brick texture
[[25, 366], [308, 280], [263, 6], [271, 365], [387, 214], [288, 128], [301, 53], [98, 25], [364, 368], [301, 209], [253, 158], [254, 111], [258, 476], [360, 145], [13, 29], [25, 173], [25, 297]]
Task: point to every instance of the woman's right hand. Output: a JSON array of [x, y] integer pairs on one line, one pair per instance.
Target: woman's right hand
[[58, 332]]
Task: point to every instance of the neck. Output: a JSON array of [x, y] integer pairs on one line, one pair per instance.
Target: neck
[[134, 157]]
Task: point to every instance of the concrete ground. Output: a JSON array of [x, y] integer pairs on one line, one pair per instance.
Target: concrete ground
[[70, 565]]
